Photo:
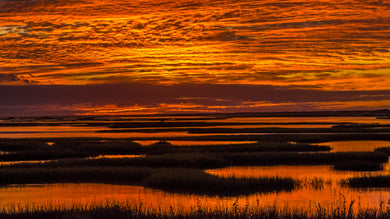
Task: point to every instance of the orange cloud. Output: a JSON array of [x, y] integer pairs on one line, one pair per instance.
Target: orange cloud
[[327, 46]]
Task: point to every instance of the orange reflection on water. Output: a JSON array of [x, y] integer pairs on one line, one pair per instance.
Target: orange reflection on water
[[6, 163], [117, 156], [197, 143], [74, 195], [343, 146]]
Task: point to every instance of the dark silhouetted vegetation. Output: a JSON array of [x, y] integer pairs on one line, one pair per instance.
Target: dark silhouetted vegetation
[[126, 211], [369, 182], [358, 166], [84, 147], [215, 160], [384, 150]]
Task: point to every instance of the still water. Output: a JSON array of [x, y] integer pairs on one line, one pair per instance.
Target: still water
[[196, 143], [79, 128], [345, 146], [68, 195]]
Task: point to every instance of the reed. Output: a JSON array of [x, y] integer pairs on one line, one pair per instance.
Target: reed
[[128, 210]]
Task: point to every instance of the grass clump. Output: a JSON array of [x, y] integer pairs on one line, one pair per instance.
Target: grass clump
[[369, 182], [287, 158], [358, 166], [255, 147], [385, 150], [199, 182], [41, 155]]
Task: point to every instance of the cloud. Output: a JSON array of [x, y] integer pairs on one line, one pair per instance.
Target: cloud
[[10, 29], [325, 45], [12, 79]]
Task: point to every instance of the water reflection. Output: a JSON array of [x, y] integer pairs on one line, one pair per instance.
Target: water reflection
[[196, 143], [344, 146], [7, 163], [71, 127], [117, 156], [69, 195]]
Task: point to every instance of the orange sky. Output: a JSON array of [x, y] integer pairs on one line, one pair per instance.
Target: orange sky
[[310, 45]]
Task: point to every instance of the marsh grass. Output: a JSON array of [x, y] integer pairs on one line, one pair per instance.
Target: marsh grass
[[42, 155], [335, 129], [78, 148], [256, 147], [199, 182], [287, 158], [358, 166], [382, 181], [384, 150], [22, 145], [117, 175], [340, 209], [216, 160]]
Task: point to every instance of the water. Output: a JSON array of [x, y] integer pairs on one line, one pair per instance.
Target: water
[[76, 128], [197, 143], [117, 156], [68, 195], [7, 163], [345, 146]]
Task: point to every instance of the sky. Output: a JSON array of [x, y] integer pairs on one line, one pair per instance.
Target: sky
[[97, 57]]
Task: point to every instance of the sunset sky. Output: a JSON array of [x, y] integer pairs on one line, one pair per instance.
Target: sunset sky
[[65, 57]]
